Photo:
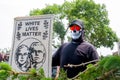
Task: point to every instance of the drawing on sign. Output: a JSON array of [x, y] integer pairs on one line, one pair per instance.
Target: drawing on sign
[[22, 57], [37, 53], [30, 55]]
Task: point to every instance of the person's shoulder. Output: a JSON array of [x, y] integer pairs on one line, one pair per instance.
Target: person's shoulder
[[65, 44], [87, 44]]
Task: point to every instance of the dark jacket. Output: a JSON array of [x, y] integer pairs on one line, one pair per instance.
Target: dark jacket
[[74, 53]]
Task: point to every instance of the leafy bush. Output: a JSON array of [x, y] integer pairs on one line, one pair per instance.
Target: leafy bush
[[108, 68]]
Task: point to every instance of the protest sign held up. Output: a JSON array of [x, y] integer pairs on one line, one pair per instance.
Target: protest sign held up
[[31, 46]]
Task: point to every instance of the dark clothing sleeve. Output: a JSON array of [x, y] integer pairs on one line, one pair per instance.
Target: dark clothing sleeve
[[88, 51], [56, 56], [93, 55]]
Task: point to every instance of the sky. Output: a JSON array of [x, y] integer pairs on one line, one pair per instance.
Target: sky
[[9, 9]]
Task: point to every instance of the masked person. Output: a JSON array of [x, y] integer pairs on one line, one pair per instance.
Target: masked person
[[75, 52]]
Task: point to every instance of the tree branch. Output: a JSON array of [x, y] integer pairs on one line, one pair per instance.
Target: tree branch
[[82, 64]]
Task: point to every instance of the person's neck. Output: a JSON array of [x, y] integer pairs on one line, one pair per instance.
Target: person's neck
[[77, 40]]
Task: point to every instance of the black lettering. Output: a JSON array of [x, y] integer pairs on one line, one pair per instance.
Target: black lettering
[[31, 34], [29, 23], [28, 34], [26, 29], [32, 23], [31, 28], [35, 28]]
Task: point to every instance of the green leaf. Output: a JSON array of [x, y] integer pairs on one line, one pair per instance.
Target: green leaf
[[5, 66]]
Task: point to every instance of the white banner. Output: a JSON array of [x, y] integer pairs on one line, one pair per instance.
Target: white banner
[[32, 43], [118, 48]]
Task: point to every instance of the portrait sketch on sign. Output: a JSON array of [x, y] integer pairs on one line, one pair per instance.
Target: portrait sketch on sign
[[30, 56]]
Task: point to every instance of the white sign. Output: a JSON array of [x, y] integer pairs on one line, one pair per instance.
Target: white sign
[[32, 43], [118, 48]]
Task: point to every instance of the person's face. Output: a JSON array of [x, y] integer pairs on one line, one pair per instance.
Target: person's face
[[37, 54], [75, 31], [23, 55]]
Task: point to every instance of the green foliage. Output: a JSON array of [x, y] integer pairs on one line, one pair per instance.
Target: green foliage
[[5, 66], [3, 75], [6, 72], [15, 76], [59, 28], [63, 75], [112, 62], [101, 70], [108, 68], [87, 75], [95, 17], [37, 75], [21, 77], [49, 9]]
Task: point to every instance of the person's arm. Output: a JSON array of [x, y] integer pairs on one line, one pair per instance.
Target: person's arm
[[56, 63], [93, 55], [56, 57], [57, 72]]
